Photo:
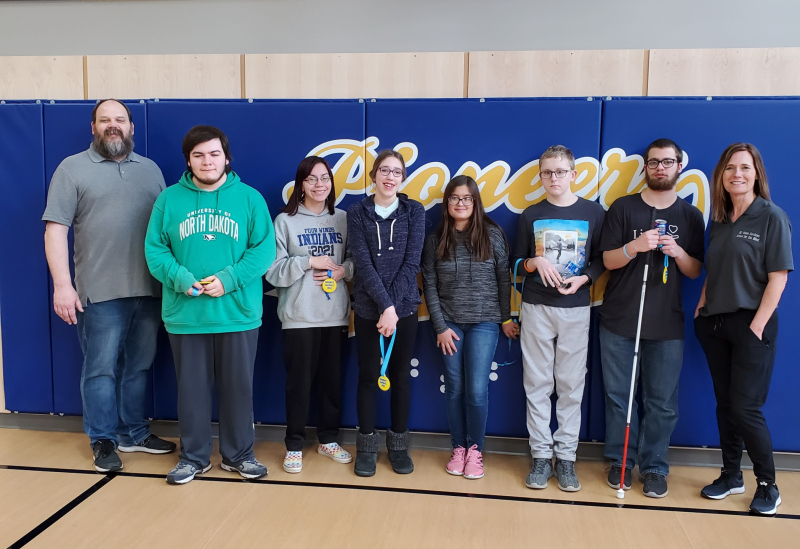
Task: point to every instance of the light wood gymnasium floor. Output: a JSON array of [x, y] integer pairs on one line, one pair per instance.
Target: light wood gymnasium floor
[[51, 497]]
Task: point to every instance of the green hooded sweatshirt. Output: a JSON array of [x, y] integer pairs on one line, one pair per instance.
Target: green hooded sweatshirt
[[194, 234]]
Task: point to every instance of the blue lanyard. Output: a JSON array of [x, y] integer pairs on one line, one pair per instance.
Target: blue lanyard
[[326, 293], [519, 308], [385, 356]]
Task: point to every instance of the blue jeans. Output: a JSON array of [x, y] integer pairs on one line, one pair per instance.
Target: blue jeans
[[466, 382], [659, 370], [118, 340]]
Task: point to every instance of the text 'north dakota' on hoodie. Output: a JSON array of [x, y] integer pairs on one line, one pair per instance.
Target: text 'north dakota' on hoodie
[[194, 234]]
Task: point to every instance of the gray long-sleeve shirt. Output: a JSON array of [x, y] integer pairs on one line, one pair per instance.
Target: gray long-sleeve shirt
[[464, 290]]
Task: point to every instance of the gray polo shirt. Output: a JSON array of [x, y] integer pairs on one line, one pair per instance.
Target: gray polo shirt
[[741, 254], [109, 203]]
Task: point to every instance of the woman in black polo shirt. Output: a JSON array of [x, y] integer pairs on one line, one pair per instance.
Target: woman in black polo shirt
[[749, 257]]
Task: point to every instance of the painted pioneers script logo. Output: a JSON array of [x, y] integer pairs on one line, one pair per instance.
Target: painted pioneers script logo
[[616, 175]]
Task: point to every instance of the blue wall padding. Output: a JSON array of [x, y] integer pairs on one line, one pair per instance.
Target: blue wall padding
[[24, 303], [269, 138], [67, 131]]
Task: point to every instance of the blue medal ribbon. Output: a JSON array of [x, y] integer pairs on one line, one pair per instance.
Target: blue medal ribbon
[[385, 356], [326, 293]]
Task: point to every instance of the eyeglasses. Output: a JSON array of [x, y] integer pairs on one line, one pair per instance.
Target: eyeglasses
[[312, 180], [547, 174], [667, 163], [454, 200], [397, 172]]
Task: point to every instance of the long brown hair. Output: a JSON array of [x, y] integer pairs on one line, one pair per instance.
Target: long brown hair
[[477, 230], [298, 195], [721, 204]]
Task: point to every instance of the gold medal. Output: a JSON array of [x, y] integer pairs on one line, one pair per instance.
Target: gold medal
[[383, 383], [329, 285]]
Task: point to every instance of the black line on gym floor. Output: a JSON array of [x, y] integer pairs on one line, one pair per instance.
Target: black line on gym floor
[[417, 491], [52, 519]]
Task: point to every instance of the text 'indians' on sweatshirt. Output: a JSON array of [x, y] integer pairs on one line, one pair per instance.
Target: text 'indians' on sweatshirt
[[301, 302], [194, 234], [386, 253]]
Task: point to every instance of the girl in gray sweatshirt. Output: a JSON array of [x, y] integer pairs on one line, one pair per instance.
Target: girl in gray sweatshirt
[[313, 306]]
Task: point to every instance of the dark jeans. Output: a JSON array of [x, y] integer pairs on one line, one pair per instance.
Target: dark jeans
[[466, 382], [313, 360], [741, 369], [398, 371], [659, 370], [118, 340], [202, 361]]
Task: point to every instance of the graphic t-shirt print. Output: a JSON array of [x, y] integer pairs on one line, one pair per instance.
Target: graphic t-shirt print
[[561, 241]]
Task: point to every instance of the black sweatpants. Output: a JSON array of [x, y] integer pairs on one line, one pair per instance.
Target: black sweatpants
[[741, 369], [227, 361], [398, 371], [313, 360]]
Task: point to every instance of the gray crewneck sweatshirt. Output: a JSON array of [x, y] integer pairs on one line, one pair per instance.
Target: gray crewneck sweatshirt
[[301, 303]]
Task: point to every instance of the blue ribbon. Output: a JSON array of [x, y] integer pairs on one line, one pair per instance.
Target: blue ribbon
[[519, 307], [385, 357], [328, 295]]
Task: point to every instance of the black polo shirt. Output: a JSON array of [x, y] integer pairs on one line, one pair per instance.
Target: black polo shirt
[[741, 254]]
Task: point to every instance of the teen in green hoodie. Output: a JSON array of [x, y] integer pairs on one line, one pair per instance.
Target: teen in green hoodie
[[209, 241]]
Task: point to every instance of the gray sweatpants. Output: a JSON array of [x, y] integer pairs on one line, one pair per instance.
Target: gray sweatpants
[[555, 343], [227, 361]]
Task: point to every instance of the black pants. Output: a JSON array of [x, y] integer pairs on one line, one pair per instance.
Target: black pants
[[398, 371], [227, 361], [313, 359], [741, 369]]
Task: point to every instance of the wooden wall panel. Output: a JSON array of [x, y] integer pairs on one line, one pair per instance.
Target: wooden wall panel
[[354, 75], [164, 76], [757, 71], [41, 77], [556, 73]]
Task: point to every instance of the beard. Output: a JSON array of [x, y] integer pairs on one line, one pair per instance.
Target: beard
[[111, 148], [666, 184]]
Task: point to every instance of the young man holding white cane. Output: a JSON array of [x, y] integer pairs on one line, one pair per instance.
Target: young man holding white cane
[[628, 239]]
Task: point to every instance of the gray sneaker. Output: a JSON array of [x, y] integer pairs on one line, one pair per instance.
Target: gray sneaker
[[184, 472], [249, 468], [567, 479], [541, 471]]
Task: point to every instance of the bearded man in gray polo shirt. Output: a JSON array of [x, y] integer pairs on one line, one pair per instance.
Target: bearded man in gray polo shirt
[[107, 194]]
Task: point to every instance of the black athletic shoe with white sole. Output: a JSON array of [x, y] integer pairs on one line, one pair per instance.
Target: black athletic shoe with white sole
[[766, 500], [724, 486], [614, 475], [106, 459], [655, 485], [151, 445]]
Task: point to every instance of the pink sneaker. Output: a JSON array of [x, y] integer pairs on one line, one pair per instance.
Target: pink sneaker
[[456, 464], [474, 467]]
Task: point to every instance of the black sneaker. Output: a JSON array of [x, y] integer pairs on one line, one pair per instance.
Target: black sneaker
[[725, 485], [106, 459], [766, 500], [614, 475], [655, 485], [152, 445]]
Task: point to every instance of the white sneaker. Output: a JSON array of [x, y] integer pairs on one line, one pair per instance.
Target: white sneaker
[[335, 452], [293, 462]]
